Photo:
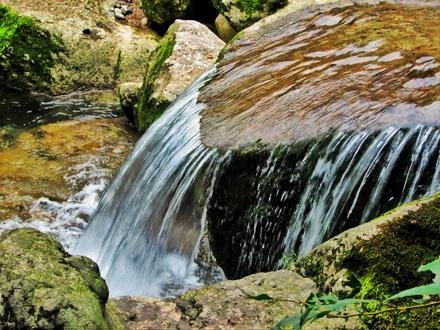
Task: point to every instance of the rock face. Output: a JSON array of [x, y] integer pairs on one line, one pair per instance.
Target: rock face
[[277, 82], [41, 286], [243, 13], [187, 50], [381, 258], [225, 305], [99, 52], [128, 97]]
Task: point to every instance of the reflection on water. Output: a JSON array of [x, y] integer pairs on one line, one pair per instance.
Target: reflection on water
[[23, 110]]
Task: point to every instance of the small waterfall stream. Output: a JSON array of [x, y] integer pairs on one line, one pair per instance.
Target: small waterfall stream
[[337, 182], [145, 231]]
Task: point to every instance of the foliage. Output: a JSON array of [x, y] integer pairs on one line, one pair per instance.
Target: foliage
[[288, 260], [329, 305]]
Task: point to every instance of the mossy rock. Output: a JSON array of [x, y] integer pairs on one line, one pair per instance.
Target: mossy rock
[[381, 258], [41, 286], [243, 13], [172, 68], [27, 51]]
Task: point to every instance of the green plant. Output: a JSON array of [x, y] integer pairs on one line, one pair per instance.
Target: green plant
[[328, 305]]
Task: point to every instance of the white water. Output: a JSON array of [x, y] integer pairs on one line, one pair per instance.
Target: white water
[[65, 220], [350, 163], [145, 232]]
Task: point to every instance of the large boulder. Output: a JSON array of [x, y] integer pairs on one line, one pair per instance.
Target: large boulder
[[277, 81], [381, 258], [243, 13], [327, 111], [226, 305], [187, 50], [42, 287]]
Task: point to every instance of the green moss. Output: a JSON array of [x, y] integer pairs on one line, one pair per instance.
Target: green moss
[[41, 287], [148, 109], [387, 264], [27, 51]]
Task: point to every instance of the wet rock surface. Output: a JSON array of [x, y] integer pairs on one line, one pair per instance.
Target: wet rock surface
[[41, 286], [187, 50], [347, 66]]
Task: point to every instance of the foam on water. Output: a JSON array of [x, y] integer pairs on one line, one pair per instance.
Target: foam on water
[[66, 220]]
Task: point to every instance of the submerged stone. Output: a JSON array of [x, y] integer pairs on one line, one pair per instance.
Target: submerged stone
[[186, 51], [351, 66], [39, 162], [41, 286]]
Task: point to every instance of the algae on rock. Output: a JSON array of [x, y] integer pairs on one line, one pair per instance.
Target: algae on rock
[[27, 51], [41, 286]]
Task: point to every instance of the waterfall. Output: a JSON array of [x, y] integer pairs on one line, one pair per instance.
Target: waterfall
[[145, 231], [353, 175], [305, 193]]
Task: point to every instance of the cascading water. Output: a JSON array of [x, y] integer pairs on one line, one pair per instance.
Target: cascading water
[[145, 231], [353, 177], [305, 193]]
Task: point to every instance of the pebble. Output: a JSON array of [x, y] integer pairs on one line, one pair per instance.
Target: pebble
[[118, 13]]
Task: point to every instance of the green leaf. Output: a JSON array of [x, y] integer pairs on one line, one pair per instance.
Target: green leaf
[[424, 290], [289, 323], [433, 267]]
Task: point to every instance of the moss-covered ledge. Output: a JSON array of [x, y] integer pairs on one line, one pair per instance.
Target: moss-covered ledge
[[380, 258], [42, 287], [27, 51]]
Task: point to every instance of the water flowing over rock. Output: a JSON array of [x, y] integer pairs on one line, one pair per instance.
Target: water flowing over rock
[[352, 67], [187, 50], [145, 232], [349, 93]]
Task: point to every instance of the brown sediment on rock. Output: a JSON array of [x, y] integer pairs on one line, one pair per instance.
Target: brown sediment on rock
[[351, 66]]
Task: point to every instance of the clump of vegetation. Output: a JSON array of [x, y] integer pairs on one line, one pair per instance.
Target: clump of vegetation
[[329, 305], [27, 51]]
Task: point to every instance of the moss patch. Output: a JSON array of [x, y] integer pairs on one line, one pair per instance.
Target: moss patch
[[387, 264], [42, 287], [27, 51], [148, 109]]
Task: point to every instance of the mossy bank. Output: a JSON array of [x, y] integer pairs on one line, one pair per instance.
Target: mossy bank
[[27, 51]]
